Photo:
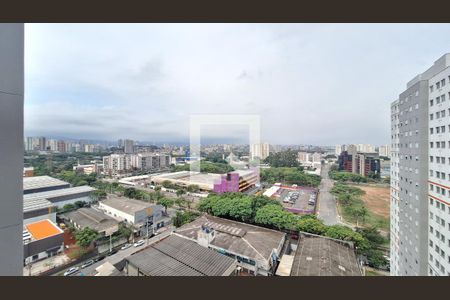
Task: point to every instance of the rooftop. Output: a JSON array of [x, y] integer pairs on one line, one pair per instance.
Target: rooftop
[[41, 229], [49, 195], [39, 182], [126, 205], [94, 219], [32, 204], [176, 256], [322, 256], [240, 238]]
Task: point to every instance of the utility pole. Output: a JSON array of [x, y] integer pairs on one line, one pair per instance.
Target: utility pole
[[110, 242]]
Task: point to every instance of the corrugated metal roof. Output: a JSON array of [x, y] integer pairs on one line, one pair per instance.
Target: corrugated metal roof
[[35, 182], [58, 193], [176, 256]]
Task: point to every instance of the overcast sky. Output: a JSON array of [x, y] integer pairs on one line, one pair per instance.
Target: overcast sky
[[319, 84]]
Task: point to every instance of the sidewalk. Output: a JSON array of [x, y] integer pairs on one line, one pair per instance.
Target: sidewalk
[[45, 265]]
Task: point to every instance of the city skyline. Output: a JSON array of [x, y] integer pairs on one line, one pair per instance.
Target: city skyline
[[91, 85]]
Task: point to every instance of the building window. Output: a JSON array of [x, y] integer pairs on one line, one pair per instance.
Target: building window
[[431, 102]]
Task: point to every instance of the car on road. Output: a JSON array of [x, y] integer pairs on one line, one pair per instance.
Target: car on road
[[139, 243], [71, 271], [99, 258], [126, 246], [87, 264]]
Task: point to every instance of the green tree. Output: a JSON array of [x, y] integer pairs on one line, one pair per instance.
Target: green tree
[[345, 233], [166, 203], [311, 224], [180, 192], [193, 188], [68, 207], [287, 158], [182, 218], [275, 216], [86, 236], [98, 194], [79, 204], [167, 184]]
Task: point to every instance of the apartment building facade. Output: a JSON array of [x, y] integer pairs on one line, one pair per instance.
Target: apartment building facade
[[439, 171], [420, 166]]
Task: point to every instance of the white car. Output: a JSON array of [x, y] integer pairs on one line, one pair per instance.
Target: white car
[[87, 264], [71, 271], [126, 246], [139, 243]]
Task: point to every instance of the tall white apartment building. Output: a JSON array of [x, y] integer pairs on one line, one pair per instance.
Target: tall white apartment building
[[439, 170], [116, 163], [385, 150], [259, 150], [420, 185], [395, 181], [128, 146], [338, 150]]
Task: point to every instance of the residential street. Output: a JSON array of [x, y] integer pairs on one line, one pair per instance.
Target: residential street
[[119, 256], [327, 210]]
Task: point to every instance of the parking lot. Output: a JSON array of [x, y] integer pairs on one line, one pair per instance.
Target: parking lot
[[299, 200]]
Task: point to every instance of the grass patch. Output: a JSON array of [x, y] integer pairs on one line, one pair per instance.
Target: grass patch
[[351, 204], [373, 273]]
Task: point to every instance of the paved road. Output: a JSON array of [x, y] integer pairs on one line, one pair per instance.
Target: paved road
[[119, 256], [327, 210]]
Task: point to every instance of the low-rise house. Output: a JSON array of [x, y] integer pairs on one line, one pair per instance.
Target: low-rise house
[[88, 217], [256, 249], [177, 256], [134, 212]]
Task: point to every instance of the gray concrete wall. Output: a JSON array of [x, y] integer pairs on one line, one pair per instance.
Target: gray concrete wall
[[413, 175], [11, 147]]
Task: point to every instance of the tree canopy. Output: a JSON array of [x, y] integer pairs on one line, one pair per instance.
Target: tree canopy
[[85, 236], [287, 158], [290, 175]]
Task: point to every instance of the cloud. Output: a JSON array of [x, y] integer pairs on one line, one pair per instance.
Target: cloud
[[310, 83]]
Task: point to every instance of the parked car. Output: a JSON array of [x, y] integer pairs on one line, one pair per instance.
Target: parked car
[[126, 246], [87, 264], [99, 258], [139, 243], [71, 271], [114, 251]]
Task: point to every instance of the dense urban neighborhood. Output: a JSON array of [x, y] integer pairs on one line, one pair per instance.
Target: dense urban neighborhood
[[130, 209]]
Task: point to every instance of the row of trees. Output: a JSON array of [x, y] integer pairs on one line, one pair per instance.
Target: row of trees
[[347, 176], [182, 218], [263, 211], [349, 198], [287, 158], [208, 167], [290, 175]]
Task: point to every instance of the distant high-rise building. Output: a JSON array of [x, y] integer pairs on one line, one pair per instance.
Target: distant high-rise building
[[260, 151], [338, 150], [128, 146], [384, 151], [120, 143], [42, 143]]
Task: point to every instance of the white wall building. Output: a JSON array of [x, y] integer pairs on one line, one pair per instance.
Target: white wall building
[[384, 150], [259, 150]]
